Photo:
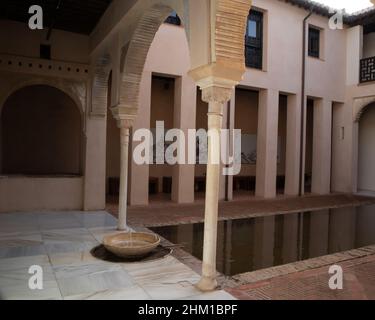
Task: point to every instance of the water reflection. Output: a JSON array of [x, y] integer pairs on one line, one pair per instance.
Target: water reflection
[[253, 244]]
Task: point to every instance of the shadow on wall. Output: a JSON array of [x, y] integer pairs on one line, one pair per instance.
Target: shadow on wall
[[41, 133]]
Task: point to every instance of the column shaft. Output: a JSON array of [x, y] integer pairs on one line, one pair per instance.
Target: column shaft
[[215, 118], [124, 168]]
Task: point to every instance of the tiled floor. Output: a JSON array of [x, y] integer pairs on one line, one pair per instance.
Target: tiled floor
[[359, 284], [61, 242]]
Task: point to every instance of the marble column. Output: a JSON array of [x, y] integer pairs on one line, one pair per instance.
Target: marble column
[[267, 143], [125, 117], [124, 165], [216, 97], [321, 168]]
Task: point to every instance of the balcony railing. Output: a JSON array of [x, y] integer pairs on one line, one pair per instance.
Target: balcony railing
[[367, 72]]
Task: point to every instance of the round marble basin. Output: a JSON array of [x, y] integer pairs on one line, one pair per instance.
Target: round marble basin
[[131, 244]]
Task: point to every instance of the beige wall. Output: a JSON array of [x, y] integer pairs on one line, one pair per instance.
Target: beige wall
[[283, 107], [52, 192], [283, 61], [246, 119], [309, 136], [162, 109], [65, 46], [369, 45], [26, 194]]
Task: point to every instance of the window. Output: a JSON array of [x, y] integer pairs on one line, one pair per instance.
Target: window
[[45, 51], [254, 40], [173, 19], [314, 42]]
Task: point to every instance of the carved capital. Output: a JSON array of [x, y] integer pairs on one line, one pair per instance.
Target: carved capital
[[124, 115], [216, 94], [216, 81]]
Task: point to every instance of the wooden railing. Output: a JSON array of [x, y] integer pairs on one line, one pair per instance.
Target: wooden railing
[[367, 71]]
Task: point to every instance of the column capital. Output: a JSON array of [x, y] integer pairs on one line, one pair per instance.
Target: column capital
[[216, 94], [124, 115], [217, 81]]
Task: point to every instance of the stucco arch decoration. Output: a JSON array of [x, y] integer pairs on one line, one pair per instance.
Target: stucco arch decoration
[[360, 106], [134, 58], [231, 22], [99, 94], [76, 91], [216, 39]]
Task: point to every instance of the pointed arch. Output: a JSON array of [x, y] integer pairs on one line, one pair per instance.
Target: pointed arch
[[135, 54]]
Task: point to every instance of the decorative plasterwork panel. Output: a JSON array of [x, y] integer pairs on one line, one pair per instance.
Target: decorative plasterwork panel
[[99, 96], [44, 67], [10, 82], [231, 20]]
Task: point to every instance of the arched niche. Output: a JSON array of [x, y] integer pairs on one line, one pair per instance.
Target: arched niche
[[41, 133]]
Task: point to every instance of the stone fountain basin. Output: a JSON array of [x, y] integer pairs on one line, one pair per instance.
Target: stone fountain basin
[[131, 244]]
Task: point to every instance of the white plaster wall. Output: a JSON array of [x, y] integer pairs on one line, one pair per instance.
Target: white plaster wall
[[369, 45], [283, 56], [340, 135], [354, 52], [169, 52], [26, 194]]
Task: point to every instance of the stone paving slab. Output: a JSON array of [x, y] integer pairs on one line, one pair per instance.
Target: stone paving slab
[[61, 243]]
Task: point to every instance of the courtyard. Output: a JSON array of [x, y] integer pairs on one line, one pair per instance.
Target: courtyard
[[62, 244], [187, 150]]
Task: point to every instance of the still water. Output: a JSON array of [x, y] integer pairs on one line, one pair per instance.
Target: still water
[[252, 244]]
